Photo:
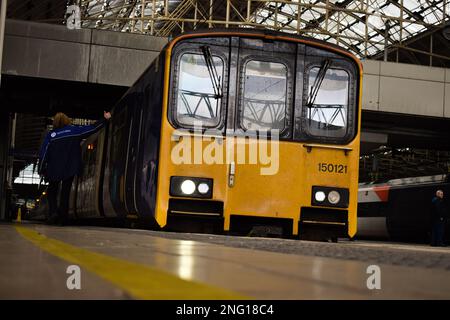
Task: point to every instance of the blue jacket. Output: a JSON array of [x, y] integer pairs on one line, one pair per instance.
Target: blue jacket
[[60, 153], [439, 211]]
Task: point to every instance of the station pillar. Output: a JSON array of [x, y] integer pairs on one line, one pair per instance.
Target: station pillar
[[4, 148]]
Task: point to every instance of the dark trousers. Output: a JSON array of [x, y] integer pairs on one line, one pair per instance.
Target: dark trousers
[[437, 233], [52, 192]]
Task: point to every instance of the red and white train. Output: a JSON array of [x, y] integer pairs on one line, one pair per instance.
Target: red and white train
[[400, 209]]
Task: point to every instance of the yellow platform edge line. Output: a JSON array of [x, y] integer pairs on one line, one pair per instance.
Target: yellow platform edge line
[[140, 281]]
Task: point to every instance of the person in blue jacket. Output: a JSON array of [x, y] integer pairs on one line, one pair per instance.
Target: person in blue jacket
[[60, 161], [439, 215]]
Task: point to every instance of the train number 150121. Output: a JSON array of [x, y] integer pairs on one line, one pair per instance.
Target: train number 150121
[[332, 168]]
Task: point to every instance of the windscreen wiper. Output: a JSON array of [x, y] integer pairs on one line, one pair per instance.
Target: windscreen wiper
[[213, 74], [318, 82]]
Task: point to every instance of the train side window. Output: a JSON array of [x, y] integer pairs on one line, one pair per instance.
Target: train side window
[[92, 148], [197, 102], [327, 112], [264, 97]]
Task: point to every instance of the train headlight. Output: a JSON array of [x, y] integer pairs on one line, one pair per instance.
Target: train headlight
[[334, 197], [319, 196], [203, 188], [188, 187], [330, 197], [191, 187]]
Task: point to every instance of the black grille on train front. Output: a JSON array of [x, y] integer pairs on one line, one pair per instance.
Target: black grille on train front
[[195, 207], [323, 215], [245, 225]]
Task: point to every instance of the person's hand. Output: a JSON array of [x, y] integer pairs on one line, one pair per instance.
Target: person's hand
[[107, 115]]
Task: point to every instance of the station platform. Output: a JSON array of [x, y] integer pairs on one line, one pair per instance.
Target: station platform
[[140, 264]]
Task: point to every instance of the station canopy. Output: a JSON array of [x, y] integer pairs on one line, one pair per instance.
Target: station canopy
[[364, 27]]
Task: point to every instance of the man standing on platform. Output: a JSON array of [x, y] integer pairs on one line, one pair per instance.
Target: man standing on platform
[[438, 219]]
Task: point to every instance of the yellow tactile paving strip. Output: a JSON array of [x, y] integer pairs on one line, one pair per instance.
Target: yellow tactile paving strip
[[140, 281]]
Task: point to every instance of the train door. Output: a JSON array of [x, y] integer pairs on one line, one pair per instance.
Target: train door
[[135, 121], [115, 163], [263, 116], [89, 183]]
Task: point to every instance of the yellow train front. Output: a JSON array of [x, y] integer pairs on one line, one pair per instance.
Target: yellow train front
[[237, 129]]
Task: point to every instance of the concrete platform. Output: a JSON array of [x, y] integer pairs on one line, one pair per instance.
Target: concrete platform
[[140, 264]]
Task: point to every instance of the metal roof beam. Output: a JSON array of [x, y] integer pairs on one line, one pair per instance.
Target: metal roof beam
[[414, 15]]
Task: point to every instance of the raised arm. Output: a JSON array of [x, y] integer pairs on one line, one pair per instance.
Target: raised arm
[[86, 131]]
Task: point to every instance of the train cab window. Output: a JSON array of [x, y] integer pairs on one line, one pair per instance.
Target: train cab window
[[198, 102], [264, 97], [327, 102]]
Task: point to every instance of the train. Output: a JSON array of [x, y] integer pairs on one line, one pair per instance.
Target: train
[[400, 209], [230, 130]]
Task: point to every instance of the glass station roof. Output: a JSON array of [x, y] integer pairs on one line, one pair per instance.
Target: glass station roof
[[347, 26], [364, 27]]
